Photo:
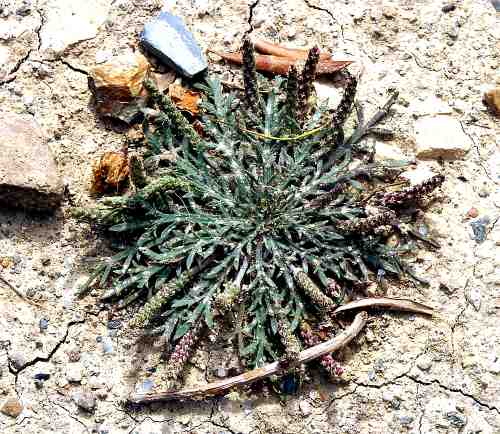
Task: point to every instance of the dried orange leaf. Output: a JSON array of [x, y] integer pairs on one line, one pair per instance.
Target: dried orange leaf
[[110, 172], [185, 99]]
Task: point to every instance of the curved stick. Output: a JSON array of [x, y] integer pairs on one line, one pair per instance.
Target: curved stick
[[219, 387]]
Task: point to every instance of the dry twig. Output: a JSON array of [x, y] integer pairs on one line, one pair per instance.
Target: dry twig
[[218, 387]]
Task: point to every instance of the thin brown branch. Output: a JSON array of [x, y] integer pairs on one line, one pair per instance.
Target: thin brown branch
[[218, 387], [399, 304], [15, 291]]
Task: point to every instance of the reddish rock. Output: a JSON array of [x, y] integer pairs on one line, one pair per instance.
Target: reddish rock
[[472, 213], [28, 172]]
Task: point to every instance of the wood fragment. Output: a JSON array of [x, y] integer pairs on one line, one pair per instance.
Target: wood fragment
[[266, 47], [280, 65], [15, 291], [218, 387], [399, 304]]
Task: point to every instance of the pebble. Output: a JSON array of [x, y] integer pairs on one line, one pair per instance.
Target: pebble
[[424, 363], [406, 420], [479, 229], [456, 419], [18, 361], [74, 354], [74, 373], [305, 408], [11, 406], [107, 345], [449, 7], [42, 376], [114, 324], [103, 56], [440, 137], [146, 386], [85, 400], [472, 213], [43, 324], [221, 372]]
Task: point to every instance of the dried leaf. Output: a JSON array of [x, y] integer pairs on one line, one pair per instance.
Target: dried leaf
[[110, 172], [400, 304], [280, 65], [185, 99]]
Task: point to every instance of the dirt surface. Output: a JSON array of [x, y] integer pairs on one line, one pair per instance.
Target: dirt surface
[[406, 373]]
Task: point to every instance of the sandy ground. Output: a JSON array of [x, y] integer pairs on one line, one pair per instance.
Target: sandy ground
[[407, 373]]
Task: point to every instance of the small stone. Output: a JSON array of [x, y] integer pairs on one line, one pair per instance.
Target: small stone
[[74, 373], [221, 372], [85, 400], [11, 406], [406, 420], [146, 386], [114, 324], [28, 173], [167, 37], [389, 12], [43, 324], [118, 86], [479, 227], [107, 345], [456, 419], [449, 7], [472, 213], [424, 363], [18, 361], [491, 99], [305, 408], [42, 376], [441, 137], [74, 354]]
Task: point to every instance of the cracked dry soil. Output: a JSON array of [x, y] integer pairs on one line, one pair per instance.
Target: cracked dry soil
[[407, 373]]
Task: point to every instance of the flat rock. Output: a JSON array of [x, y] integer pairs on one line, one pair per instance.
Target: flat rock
[[69, 22], [28, 173], [118, 86], [11, 406], [386, 151], [168, 38], [441, 137]]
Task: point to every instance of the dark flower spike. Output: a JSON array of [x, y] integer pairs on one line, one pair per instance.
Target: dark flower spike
[[252, 96], [306, 84]]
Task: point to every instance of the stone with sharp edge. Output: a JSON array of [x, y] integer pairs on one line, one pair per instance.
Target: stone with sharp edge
[[167, 37]]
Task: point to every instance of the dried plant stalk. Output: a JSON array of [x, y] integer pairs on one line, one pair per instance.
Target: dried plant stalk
[[219, 387]]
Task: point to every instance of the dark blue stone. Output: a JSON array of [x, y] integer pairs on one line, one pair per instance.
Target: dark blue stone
[[42, 376], [289, 384], [167, 37]]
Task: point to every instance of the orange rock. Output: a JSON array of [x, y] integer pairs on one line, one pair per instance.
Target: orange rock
[[11, 406], [185, 99], [492, 100], [472, 213], [118, 86], [110, 173]]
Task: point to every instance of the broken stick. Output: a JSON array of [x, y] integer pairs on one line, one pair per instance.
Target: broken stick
[[218, 387]]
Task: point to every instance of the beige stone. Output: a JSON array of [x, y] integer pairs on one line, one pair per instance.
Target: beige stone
[[28, 173], [441, 137]]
